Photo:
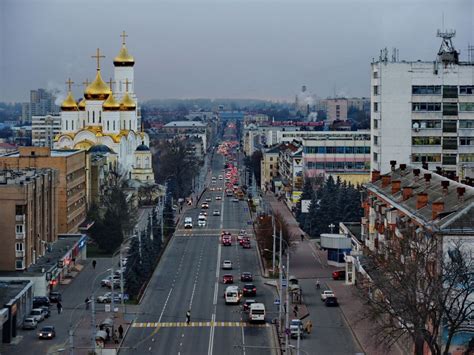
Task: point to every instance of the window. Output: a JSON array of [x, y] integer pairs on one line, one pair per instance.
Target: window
[[93, 116], [466, 123], [271, 166], [450, 91], [426, 106], [376, 90], [108, 125], [450, 143], [466, 106], [450, 126], [466, 141], [376, 74], [19, 209], [100, 116], [429, 158], [466, 90], [67, 125], [147, 163], [83, 123], [426, 140], [436, 124], [376, 124], [376, 107], [426, 90], [376, 156], [450, 109], [466, 158], [19, 246], [72, 125], [449, 159], [19, 228], [114, 125], [271, 158], [19, 264], [88, 117], [376, 140]]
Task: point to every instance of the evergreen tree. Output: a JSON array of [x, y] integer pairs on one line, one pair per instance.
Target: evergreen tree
[[307, 194], [134, 271], [168, 216]]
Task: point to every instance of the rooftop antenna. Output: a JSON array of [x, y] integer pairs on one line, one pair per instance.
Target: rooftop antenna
[[470, 51], [447, 54]]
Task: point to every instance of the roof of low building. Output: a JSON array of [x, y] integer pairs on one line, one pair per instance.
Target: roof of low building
[[185, 124]]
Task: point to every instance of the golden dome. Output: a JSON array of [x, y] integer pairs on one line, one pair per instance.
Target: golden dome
[[127, 103], [82, 105], [110, 104], [69, 104], [124, 59], [97, 90]]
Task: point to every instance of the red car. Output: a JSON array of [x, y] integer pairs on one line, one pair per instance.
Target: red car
[[246, 245], [339, 274], [228, 279], [244, 239], [227, 240]]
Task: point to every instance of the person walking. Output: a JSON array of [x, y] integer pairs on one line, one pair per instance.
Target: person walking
[[188, 317], [87, 301], [120, 330], [302, 237], [60, 307], [295, 310], [115, 337], [94, 263]]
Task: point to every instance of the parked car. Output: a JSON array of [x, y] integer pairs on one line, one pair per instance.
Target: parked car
[[246, 277], [40, 301], [228, 279], [339, 275], [30, 323], [249, 290], [296, 327], [331, 302], [107, 298], [47, 332], [55, 297], [227, 265], [37, 314], [327, 293], [46, 311]]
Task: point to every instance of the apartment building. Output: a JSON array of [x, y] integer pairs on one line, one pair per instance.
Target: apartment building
[[290, 170], [422, 113], [71, 191], [28, 215], [269, 166], [336, 109], [44, 129]]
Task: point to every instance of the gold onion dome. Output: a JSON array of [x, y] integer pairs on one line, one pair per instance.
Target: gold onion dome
[[97, 90], [110, 104], [82, 105], [127, 103], [124, 59], [69, 104]]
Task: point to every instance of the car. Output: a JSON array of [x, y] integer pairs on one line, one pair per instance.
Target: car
[[46, 311], [107, 298], [218, 198], [30, 323], [213, 178], [116, 283], [247, 303], [107, 282], [188, 223], [296, 328], [227, 240], [339, 275], [219, 189], [246, 276], [39, 301], [204, 205], [228, 279], [331, 302], [220, 177], [47, 332], [244, 239], [208, 199], [327, 293], [55, 297], [246, 245], [235, 199], [249, 290], [242, 232], [212, 188], [227, 265], [37, 314], [203, 213], [216, 213]]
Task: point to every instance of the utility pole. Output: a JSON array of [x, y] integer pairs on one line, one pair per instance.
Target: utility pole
[[121, 281], [93, 331], [287, 321], [274, 244], [280, 272], [162, 219], [71, 340], [112, 303]]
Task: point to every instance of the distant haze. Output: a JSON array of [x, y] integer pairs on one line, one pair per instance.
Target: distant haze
[[243, 49]]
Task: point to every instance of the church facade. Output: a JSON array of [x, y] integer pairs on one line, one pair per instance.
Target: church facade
[[108, 116]]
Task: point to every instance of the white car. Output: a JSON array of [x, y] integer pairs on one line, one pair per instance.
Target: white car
[[107, 298], [37, 314], [188, 223], [30, 323], [235, 199], [220, 177], [216, 213], [208, 199], [202, 220], [326, 293], [218, 198], [227, 265]]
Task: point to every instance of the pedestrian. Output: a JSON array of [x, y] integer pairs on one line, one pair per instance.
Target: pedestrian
[[87, 302], [302, 237], [120, 330], [115, 337], [107, 331], [94, 263], [295, 310], [188, 316], [60, 307]]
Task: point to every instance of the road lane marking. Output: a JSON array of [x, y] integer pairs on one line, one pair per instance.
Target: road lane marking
[[211, 324]]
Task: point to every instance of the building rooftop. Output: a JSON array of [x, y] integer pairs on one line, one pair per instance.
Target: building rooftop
[[185, 124], [407, 187], [10, 290], [20, 176]]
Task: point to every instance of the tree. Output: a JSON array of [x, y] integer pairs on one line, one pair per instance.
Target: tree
[[134, 270], [168, 217], [418, 290], [306, 194]]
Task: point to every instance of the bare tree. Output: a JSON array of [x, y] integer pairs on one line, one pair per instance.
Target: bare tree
[[420, 286]]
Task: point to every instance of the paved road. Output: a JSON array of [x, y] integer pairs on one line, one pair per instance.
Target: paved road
[[189, 276]]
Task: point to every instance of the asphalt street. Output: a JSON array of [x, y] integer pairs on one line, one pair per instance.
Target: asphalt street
[[189, 277]]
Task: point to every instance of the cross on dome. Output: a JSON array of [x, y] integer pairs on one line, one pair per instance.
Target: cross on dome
[[123, 35], [98, 56], [69, 82]]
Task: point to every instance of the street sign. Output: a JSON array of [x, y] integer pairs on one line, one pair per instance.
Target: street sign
[[107, 307], [277, 301]]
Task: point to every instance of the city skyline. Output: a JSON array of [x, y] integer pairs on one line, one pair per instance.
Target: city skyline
[[210, 49]]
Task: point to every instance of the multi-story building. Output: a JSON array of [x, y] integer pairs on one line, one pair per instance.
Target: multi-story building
[[290, 169], [71, 191], [340, 154], [28, 215], [42, 103], [269, 166], [336, 110], [422, 113], [187, 129], [44, 129]]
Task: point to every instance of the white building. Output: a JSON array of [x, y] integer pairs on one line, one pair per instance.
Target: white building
[[44, 129], [424, 112]]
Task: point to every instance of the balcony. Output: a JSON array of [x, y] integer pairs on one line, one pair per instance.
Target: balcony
[[20, 218], [19, 236], [19, 253]]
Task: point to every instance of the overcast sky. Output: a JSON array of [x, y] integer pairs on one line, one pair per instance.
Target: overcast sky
[[232, 49]]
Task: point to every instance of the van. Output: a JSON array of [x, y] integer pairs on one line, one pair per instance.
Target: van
[[201, 220], [257, 312], [232, 295], [188, 222]]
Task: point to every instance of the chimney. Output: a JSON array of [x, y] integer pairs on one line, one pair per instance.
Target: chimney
[[461, 190], [375, 176], [396, 184], [437, 208], [427, 178], [416, 173], [393, 163], [403, 167], [445, 184], [386, 180], [421, 200], [407, 192]]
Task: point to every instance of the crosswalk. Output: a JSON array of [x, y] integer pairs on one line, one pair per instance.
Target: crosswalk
[[196, 324]]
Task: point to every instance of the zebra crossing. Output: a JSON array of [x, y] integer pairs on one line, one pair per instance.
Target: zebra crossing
[[195, 324]]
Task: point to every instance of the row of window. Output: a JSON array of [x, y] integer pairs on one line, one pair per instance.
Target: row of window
[[448, 90], [337, 150], [448, 142], [338, 165], [449, 108], [446, 159]]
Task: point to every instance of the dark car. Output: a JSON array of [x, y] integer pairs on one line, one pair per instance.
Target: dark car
[[228, 279], [46, 311], [55, 297], [47, 332], [247, 303], [331, 302], [40, 301], [246, 245], [339, 274], [249, 290], [246, 277]]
